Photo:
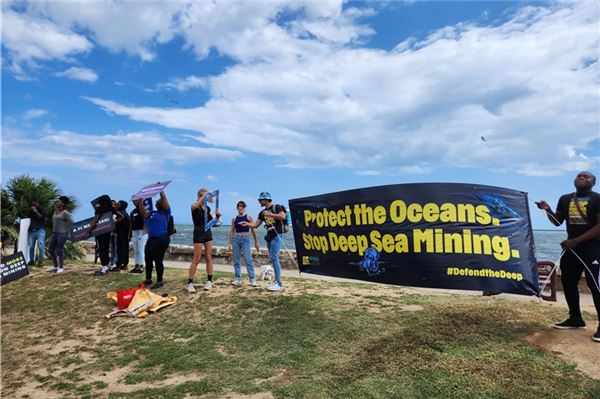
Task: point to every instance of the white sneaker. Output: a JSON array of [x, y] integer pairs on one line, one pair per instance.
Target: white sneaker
[[51, 270], [60, 270], [190, 288], [237, 282], [208, 286], [275, 287], [253, 283]]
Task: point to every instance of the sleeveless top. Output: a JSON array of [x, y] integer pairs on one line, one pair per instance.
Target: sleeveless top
[[241, 229], [198, 218]]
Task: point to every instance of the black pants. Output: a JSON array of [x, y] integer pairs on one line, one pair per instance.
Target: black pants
[[122, 250], [571, 269], [104, 248], [155, 253]]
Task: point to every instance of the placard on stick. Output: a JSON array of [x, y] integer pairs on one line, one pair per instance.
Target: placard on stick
[[150, 190]]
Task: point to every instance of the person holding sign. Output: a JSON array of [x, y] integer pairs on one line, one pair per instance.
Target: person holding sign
[[157, 222], [138, 236], [239, 240], [37, 232], [581, 211], [202, 237], [103, 205], [273, 217], [61, 222]]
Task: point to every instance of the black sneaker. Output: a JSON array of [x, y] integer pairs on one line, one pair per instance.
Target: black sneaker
[[158, 284], [136, 270], [570, 323], [596, 337], [113, 269], [99, 273], [147, 282]]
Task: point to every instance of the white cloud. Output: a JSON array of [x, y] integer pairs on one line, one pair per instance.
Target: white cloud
[[530, 86], [29, 39], [83, 74], [212, 178], [135, 152], [33, 114], [183, 84]]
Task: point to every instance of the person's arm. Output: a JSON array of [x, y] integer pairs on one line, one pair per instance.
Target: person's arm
[[277, 216], [554, 218], [120, 216], [591, 234], [165, 201], [68, 218], [250, 224], [253, 231], [231, 231], [92, 226], [200, 202]]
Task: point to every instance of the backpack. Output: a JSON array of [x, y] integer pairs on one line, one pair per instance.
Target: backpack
[[171, 226], [288, 218]]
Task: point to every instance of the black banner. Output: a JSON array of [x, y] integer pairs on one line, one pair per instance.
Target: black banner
[[105, 224], [441, 235], [13, 267]]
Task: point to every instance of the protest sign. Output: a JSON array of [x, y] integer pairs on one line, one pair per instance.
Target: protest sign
[[150, 190], [12, 268], [105, 224], [445, 235]]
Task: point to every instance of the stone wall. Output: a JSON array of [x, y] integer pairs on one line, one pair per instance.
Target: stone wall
[[221, 255]]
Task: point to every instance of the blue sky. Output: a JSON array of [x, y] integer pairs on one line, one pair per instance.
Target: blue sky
[[299, 97]]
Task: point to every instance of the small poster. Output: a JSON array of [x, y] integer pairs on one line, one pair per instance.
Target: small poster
[[105, 224], [13, 267], [150, 190]]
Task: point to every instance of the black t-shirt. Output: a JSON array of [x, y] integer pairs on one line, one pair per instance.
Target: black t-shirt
[[137, 220], [272, 225], [576, 223], [198, 218], [37, 222], [122, 227]]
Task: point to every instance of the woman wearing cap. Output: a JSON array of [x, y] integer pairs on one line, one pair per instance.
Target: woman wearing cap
[[239, 240], [273, 217], [202, 237]]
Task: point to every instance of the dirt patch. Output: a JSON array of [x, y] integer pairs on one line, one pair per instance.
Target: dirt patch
[[573, 346], [282, 377]]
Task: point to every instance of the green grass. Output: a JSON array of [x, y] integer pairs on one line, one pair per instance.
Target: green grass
[[314, 340]]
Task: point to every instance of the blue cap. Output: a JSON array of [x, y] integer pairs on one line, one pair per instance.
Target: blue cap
[[264, 196]]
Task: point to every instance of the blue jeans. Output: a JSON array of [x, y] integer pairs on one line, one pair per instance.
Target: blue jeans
[[57, 249], [138, 240], [40, 236], [113, 249], [241, 243], [274, 246]]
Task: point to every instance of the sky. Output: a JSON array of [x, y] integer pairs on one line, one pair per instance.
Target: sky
[[299, 98]]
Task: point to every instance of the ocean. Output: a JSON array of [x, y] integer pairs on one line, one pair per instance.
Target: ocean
[[546, 242]]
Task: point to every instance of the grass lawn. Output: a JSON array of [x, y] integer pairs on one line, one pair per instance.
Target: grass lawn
[[315, 340]]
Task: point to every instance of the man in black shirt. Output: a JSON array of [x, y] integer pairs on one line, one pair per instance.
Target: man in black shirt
[[123, 228], [581, 211], [37, 232]]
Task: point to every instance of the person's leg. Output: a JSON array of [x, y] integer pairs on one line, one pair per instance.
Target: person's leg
[[53, 241], [209, 262], [591, 277], [122, 251], [60, 250], [148, 255], [274, 247], [237, 251], [571, 269], [41, 238], [247, 250], [104, 248], [31, 237], [136, 240], [195, 261], [163, 245]]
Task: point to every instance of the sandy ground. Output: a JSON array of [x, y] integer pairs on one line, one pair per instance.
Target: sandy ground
[[573, 346]]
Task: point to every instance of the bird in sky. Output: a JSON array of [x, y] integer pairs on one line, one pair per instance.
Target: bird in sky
[[170, 99], [483, 138]]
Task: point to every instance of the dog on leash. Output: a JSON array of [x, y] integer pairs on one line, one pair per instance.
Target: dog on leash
[[266, 272]]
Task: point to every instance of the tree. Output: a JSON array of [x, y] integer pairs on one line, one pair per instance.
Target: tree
[[16, 203]]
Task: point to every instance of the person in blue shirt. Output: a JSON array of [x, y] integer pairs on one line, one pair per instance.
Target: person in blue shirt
[[158, 238]]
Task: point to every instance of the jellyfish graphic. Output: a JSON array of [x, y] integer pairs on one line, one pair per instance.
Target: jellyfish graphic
[[370, 263]]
